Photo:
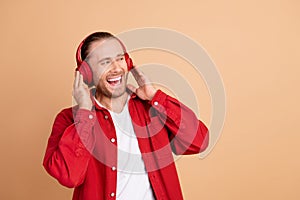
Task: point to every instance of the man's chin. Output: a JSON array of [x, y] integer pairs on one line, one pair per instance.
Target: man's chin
[[118, 92], [114, 92]]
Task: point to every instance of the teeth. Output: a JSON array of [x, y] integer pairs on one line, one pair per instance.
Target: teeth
[[114, 79]]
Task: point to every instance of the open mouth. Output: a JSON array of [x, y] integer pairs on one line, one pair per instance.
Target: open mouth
[[115, 81]]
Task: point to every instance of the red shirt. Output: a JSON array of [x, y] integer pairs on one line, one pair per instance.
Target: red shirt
[[82, 148]]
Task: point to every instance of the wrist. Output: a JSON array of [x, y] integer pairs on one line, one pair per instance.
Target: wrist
[[152, 94], [87, 107]]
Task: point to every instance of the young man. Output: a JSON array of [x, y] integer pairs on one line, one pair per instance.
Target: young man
[[117, 143]]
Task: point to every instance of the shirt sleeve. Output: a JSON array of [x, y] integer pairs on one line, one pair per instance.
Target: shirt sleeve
[[187, 134], [69, 145]]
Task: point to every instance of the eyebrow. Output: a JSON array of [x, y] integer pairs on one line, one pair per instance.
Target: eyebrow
[[107, 58]]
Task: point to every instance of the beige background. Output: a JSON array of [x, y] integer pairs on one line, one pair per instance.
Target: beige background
[[255, 45]]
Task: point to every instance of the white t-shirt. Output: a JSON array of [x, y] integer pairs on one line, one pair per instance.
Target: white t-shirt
[[132, 178]]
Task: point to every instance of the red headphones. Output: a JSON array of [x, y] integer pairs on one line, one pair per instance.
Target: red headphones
[[84, 68]]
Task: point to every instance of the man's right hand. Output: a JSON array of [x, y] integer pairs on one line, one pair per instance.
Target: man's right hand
[[81, 92]]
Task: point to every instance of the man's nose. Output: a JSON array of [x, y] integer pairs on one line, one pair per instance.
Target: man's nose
[[115, 65]]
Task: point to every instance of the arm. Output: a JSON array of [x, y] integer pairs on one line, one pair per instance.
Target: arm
[[67, 154], [187, 134]]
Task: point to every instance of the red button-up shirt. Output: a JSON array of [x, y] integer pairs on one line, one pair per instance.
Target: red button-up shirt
[[82, 148]]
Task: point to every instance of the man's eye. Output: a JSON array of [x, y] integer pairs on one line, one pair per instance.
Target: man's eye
[[120, 58], [105, 62]]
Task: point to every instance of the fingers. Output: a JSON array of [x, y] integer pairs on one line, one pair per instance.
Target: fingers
[[76, 80], [80, 82], [136, 72], [140, 78]]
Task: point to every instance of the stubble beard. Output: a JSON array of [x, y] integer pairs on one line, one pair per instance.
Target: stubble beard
[[103, 90]]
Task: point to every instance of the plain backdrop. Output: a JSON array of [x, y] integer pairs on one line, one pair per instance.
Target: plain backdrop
[[254, 44]]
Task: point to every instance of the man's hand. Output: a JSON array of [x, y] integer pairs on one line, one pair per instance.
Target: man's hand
[[145, 91], [81, 92]]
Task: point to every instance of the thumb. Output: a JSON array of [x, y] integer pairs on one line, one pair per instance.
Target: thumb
[[131, 88]]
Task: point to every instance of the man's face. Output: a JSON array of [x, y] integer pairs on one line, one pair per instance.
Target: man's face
[[109, 67]]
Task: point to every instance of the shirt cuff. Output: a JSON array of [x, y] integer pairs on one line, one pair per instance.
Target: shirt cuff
[[159, 98], [161, 102], [86, 116]]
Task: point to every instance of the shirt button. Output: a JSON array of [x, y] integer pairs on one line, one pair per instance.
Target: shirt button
[[113, 168], [91, 117], [113, 140], [112, 194], [155, 103], [106, 117]]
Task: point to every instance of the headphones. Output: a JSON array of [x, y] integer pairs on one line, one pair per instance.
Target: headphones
[[84, 68]]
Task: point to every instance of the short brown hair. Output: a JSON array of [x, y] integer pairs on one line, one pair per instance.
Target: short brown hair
[[91, 38]]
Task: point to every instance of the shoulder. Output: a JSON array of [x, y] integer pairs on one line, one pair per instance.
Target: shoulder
[[67, 114]]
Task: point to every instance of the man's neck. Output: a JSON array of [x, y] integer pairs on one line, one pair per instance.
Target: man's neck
[[114, 104]]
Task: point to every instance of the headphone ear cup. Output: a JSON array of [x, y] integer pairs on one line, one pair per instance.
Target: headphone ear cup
[[128, 61], [86, 72]]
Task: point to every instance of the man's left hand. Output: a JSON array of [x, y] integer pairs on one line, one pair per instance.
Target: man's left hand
[[145, 91]]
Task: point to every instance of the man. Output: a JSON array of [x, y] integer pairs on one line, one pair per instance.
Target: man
[[117, 143]]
